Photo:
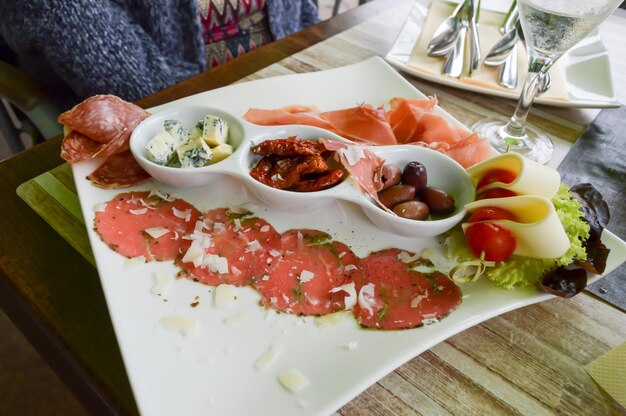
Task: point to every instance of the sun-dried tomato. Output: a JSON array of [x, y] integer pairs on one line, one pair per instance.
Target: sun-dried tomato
[[289, 147], [326, 180]]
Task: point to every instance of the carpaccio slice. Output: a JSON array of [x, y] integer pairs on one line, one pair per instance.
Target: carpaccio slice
[[131, 222], [392, 296], [103, 117], [119, 171], [235, 249], [306, 277]]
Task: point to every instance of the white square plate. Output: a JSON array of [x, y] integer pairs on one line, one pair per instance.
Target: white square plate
[[587, 57], [214, 373]]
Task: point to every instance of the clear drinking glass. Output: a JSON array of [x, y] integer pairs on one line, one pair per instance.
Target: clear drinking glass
[[551, 28]]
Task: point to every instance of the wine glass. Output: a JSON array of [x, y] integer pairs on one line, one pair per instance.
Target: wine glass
[[551, 28]]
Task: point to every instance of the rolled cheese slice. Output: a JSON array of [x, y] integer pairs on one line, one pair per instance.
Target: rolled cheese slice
[[531, 178], [538, 231]]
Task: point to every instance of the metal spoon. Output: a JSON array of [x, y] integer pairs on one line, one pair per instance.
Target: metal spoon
[[446, 34], [453, 66], [474, 7], [502, 49]]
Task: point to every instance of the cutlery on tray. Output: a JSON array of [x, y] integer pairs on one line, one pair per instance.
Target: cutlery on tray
[[450, 37]]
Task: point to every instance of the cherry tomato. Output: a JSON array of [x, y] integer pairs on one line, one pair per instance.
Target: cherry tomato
[[496, 175], [491, 213], [496, 242], [495, 193]]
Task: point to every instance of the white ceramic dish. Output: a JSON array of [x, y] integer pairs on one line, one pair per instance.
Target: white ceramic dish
[[588, 57], [214, 373], [443, 172]]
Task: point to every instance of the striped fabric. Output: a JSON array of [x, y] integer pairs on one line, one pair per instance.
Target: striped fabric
[[232, 28]]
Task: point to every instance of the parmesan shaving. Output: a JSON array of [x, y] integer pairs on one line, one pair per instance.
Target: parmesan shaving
[[134, 262], [267, 359], [265, 228], [183, 215], [164, 196], [101, 207], [306, 276], [188, 327], [405, 257], [293, 380], [139, 211], [162, 283], [194, 252], [215, 263], [350, 267], [350, 289], [225, 296], [156, 232], [253, 247], [366, 298], [418, 299]]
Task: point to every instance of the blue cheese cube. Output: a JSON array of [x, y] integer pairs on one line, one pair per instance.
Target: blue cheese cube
[[215, 130], [194, 153], [161, 148], [176, 130]]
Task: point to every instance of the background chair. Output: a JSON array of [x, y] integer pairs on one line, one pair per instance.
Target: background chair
[[24, 109]]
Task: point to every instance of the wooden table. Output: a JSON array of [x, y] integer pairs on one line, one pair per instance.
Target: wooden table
[[527, 361]]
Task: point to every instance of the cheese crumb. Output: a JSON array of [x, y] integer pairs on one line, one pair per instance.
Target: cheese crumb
[[267, 359], [225, 296], [189, 327], [156, 232], [350, 289], [139, 211], [306, 276], [162, 283], [293, 380], [134, 262]]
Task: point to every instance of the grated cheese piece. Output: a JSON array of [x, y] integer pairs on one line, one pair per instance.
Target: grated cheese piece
[[225, 296], [188, 327], [134, 262], [274, 253], [183, 215], [156, 232], [306, 276], [215, 263], [101, 207], [350, 289], [162, 282], [267, 359], [253, 247], [293, 380], [366, 298], [194, 252]]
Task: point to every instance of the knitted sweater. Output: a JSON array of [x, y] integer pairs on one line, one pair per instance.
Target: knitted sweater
[[130, 48]]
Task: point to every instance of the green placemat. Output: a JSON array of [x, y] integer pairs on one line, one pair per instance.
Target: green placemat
[[53, 196]]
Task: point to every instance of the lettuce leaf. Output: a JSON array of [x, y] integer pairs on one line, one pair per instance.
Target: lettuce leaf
[[518, 271]]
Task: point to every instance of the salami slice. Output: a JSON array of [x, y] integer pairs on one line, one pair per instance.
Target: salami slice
[[392, 296], [103, 117], [77, 147], [119, 171], [305, 278], [234, 249], [140, 224]]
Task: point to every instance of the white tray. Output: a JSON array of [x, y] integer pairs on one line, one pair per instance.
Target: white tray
[[587, 57], [214, 373]]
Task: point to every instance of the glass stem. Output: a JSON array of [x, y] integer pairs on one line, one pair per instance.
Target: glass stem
[[538, 66]]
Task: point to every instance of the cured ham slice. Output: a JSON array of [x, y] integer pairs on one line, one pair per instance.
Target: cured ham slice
[[307, 276], [296, 114], [140, 224], [119, 171], [103, 118], [362, 123], [232, 250], [392, 296], [362, 164], [470, 151], [100, 127]]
